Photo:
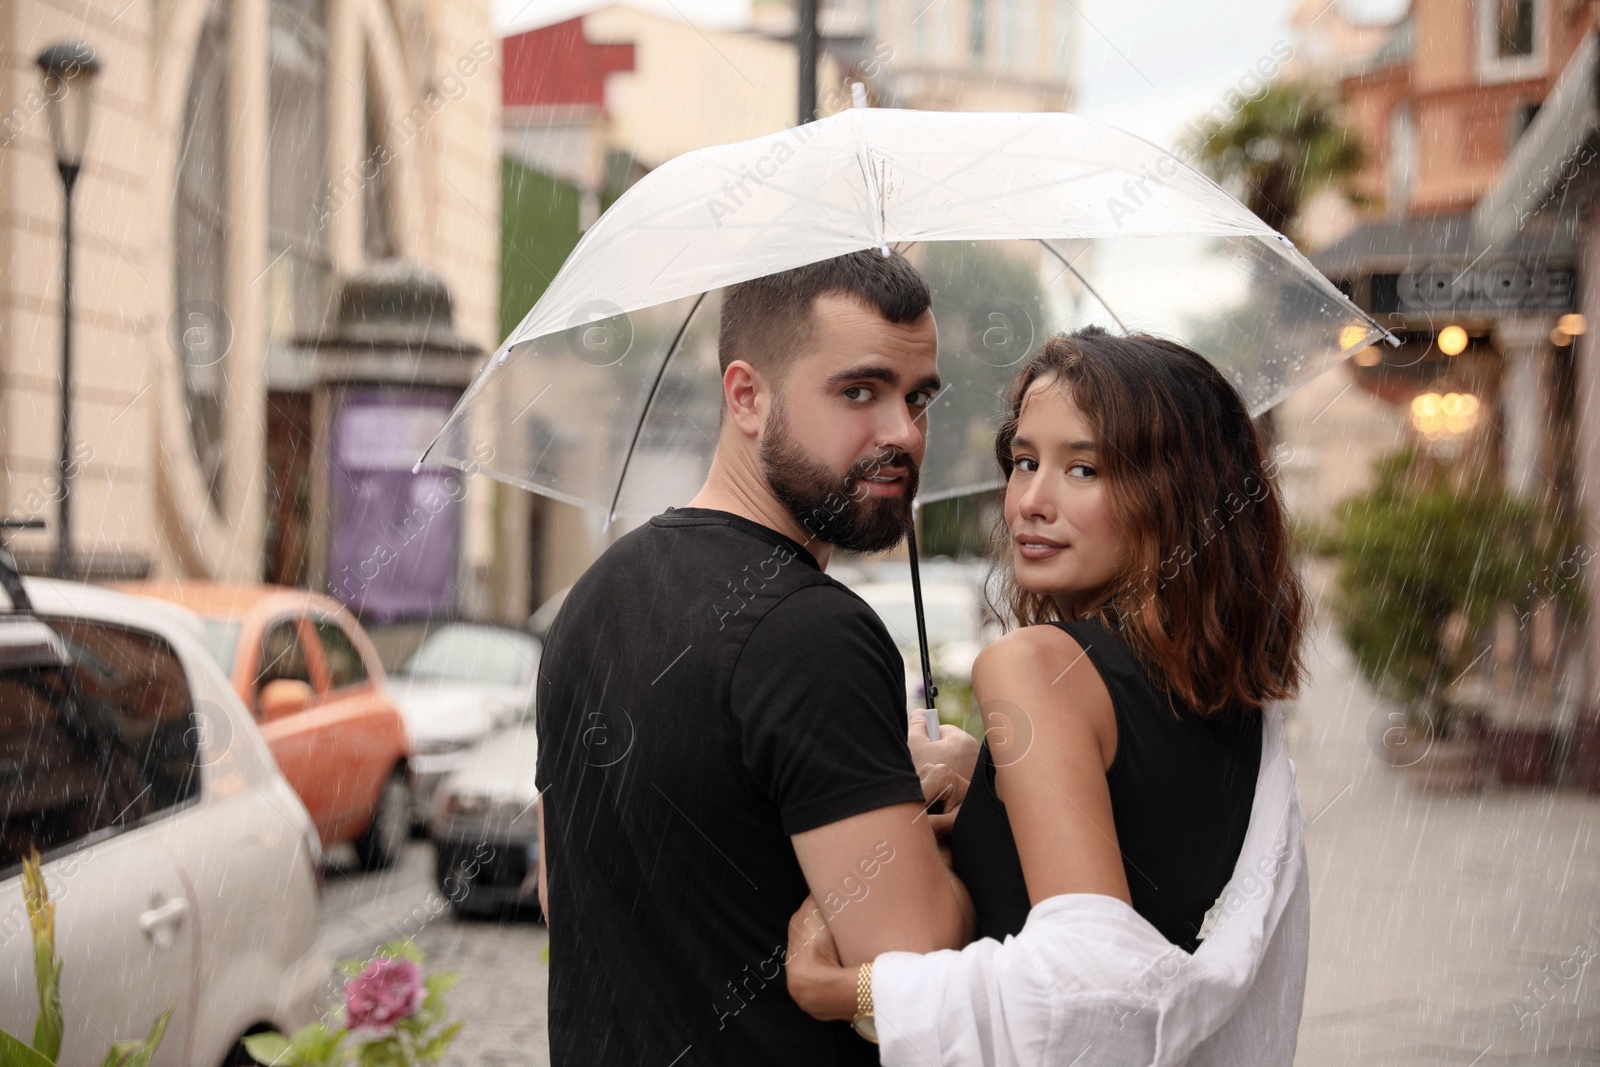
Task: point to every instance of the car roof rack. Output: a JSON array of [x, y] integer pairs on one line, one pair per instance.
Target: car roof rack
[[24, 640], [10, 579]]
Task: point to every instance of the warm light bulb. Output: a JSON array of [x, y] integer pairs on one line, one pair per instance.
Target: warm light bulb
[[1437, 416], [1452, 340], [1560, 338], [1572, 324]]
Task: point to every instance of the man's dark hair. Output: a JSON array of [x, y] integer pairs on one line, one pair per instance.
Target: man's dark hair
[[765, 321]]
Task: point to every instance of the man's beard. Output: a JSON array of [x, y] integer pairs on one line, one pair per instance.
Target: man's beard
[[837, 511]]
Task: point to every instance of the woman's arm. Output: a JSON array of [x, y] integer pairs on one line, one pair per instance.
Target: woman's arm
[[818, 982], [1053, 735]]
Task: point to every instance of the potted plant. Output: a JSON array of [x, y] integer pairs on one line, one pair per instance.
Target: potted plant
[[391, 1015], [1425, 566]]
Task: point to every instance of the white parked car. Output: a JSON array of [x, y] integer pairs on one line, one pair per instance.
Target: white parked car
[[184, 869], [485, 825], [463, 681], [954, 615]]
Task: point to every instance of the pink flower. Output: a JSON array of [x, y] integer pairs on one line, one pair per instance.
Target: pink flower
[[387, 990]]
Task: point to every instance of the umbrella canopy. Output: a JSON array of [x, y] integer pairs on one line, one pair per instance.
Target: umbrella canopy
[[608, 394]]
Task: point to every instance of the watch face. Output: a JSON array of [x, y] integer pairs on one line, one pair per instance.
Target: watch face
[[866, 1026]]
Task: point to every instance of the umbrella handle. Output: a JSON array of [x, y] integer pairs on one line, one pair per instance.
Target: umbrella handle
[[930, 691]]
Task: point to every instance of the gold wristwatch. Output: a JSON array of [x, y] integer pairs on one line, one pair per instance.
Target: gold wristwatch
[[865, 1023]]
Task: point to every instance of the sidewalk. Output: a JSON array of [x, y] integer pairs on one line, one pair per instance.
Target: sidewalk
[[1445, 928]]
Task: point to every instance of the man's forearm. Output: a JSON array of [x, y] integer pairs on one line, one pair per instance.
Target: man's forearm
[[881, 884]]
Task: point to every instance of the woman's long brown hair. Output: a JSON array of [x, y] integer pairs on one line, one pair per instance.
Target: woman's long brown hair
[[1209, 598]]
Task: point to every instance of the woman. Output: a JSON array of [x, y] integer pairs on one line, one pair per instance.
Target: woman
[[1150, 570]]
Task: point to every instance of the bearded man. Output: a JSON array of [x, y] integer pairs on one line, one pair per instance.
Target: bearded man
[[722, 726]]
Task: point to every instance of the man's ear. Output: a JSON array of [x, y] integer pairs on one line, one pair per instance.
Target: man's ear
[[747, 395]]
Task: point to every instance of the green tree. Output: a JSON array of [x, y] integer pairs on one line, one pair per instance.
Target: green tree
[[539, 229], [1416, 550], [1277, 149]]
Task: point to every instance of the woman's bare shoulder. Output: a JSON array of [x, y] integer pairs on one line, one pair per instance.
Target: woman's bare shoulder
[[1044, 674], [1032, 649]]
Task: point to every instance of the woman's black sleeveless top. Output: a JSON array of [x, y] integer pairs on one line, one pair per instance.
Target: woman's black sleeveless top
[[1181, 790]]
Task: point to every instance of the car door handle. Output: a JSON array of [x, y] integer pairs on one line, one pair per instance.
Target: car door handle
[[159, 922]]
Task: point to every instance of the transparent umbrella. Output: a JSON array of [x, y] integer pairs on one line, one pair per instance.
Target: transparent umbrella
[[1025, 225]]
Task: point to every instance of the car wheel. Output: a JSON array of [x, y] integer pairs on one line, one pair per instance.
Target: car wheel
[[238, 1056], [464, 908], [386, 836]]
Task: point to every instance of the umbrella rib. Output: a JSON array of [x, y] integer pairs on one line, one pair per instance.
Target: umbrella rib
[[874, 187], [655, 388], [1092, 292]]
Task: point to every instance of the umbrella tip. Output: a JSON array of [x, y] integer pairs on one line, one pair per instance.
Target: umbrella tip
[[858, 94], [504, 356], [416, 468], [883, 246]]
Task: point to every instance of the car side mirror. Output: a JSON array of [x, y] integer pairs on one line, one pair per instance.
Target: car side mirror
[[281, 698]]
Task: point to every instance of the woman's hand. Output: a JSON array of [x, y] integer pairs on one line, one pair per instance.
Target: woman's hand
[[945, 767], [818, 982]]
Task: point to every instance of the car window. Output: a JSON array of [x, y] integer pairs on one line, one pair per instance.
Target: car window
[[344, 662], [282, 656], [465, 653], [222, 641], [947, 620], [94, 747]]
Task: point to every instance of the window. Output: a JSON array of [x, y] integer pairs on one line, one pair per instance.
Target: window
[[1402, 161], [94, 748], [463, 652], [222, 641], [1061, 34], [1509, 34], [377, 226], [1008, 32], [301, 202], [1513, 28], [344, 662], [281, 657], [1012, 34], [1022, 26], [200, 331], [978, 28]]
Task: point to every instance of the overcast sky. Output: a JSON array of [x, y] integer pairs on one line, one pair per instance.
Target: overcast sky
[[1148, 66]]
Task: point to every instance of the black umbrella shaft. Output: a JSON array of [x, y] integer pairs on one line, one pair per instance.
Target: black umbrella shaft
[[928, 688]]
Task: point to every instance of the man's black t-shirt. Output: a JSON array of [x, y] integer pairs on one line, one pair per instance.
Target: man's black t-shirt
[[706, 691]]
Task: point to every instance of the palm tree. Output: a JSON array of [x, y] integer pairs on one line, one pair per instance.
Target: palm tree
[[1278, 148]]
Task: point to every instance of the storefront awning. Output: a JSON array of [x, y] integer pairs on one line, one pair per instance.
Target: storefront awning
[[1552, 156], [1415, 268]]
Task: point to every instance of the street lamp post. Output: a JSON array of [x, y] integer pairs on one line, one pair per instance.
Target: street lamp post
[[806, 41], [69, 71]]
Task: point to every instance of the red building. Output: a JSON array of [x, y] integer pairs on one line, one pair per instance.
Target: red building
[[554, 104]]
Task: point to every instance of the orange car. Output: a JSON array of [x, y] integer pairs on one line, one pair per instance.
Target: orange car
[[308, 672]]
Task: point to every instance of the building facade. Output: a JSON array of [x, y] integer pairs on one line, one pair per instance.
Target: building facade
[[246, 157], [1550, 182], [950, 55], [1444, 101]]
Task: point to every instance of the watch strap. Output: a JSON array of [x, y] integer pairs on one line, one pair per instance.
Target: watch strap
[[865, 1022]]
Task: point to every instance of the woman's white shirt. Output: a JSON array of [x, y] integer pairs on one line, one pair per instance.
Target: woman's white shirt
[[1089, 982]]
